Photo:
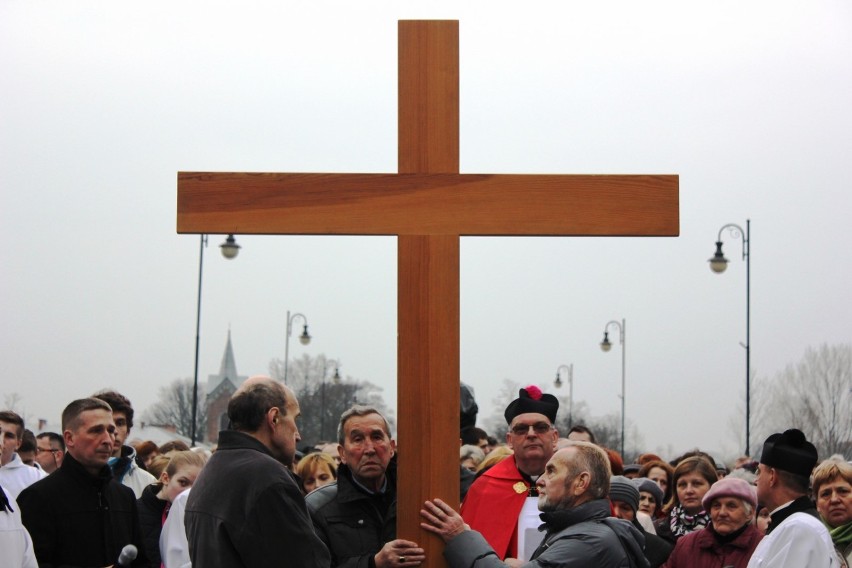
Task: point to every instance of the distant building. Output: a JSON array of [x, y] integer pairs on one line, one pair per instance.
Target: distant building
[[219, 390]]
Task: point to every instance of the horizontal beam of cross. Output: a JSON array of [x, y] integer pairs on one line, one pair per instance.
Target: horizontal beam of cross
[[428, 204]]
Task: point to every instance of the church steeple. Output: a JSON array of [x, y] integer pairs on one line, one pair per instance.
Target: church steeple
[[219, 390], [227, 376], [228, 369]]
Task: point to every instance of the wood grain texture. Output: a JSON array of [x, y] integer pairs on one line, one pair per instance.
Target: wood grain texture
[[428, 204], [428, 280], [428, 392], [428, 125]]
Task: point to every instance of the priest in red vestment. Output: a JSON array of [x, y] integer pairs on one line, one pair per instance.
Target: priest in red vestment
[[496, 501]]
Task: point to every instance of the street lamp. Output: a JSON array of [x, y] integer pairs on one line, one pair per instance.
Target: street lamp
[[336, 380], [718, 264], [304, 339], [230, 249], [558, 384], [606, 346]]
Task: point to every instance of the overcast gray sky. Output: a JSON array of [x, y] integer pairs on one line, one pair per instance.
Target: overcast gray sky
[[103, 103]]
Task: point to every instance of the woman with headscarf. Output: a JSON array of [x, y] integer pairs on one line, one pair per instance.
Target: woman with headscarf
[[685, 512], [730, 538], [832, 483]]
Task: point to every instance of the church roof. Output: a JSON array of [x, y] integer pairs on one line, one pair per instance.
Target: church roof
[[227, 370]]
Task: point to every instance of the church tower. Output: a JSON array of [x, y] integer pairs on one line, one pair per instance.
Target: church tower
[[220, 387]]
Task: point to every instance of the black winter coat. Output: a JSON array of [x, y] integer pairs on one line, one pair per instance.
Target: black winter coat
[[77, 519], [246, 510], [151, 522], [352, 523]]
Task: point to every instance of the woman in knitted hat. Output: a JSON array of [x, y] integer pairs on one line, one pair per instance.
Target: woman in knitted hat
[[684, 512], [832, 484], [650, 497], [730, 538]]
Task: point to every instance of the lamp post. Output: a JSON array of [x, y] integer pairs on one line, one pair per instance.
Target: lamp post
[[606, 346], [718, 264], [230, 249], [304, 338], [336, 379], [558, 384]]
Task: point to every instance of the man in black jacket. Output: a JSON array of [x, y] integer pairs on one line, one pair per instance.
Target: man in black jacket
[[356, 515], [245, 508], [79, 515]]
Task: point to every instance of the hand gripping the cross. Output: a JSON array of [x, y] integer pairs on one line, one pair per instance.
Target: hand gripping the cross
[[442, 520], [400, 553]]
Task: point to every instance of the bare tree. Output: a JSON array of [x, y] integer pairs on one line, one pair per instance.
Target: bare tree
[[820, 392], [322, 398], [813, 395], [769, 413], [495, 424], [174, 408], [11, 401]]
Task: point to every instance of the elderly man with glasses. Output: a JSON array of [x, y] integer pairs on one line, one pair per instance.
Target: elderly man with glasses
[[502, 504]]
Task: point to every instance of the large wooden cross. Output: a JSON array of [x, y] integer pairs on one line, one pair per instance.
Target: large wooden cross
[[428, 205]]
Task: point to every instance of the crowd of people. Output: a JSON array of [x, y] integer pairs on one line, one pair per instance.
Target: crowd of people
[[88, 497]]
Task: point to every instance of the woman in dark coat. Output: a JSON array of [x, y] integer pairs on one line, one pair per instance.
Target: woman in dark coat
[[730, 538], [156, 499]]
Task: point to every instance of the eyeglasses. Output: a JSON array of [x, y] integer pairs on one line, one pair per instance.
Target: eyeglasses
[[42, 450], [538, 428]]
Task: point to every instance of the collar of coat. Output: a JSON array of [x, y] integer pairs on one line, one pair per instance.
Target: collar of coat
[[597, 509]]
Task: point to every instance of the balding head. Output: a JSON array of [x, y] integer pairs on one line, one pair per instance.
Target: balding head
[[267, 410], [249, 404]]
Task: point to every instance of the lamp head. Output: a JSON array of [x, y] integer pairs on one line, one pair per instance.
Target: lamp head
[[605, 344], [558, 381], [305, 338], [336, 377], [230, 248], [718, 263]]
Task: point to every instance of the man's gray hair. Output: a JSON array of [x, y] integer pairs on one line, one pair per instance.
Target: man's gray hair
[[359, 410], [469, 451], [591, 458]]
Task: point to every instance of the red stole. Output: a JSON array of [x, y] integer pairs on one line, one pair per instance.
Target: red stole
[[493, 504]]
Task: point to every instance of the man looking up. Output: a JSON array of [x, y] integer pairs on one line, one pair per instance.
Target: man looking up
[[79, 515], [575, 510], [50, 449], [502, 503], [796, 538], [356, 515], [246, 509], [123, 460], [15, 475]]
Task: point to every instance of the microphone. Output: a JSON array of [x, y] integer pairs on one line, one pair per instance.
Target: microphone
[[128, 555]]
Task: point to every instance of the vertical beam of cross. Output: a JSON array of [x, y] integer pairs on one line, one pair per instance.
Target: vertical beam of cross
[[428, 271]]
